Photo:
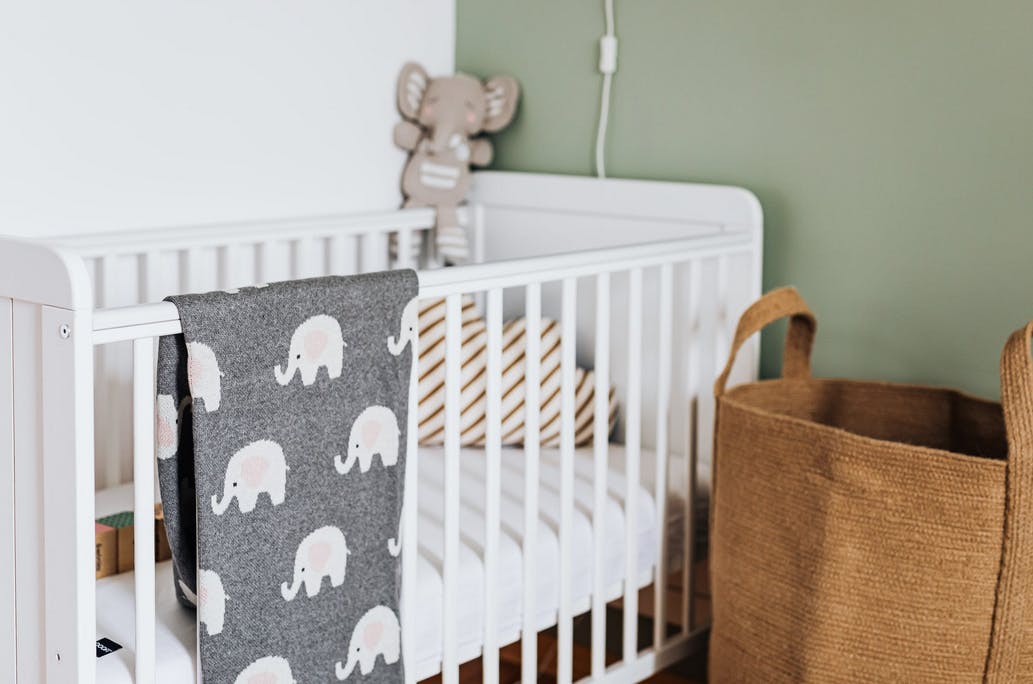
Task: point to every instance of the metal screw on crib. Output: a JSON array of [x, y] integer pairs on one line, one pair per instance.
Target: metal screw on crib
[[66, 332]]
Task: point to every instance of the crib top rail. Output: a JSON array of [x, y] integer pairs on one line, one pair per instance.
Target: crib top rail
[[130, 242]]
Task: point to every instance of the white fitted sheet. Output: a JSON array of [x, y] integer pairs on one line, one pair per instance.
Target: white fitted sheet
[[176, 629]]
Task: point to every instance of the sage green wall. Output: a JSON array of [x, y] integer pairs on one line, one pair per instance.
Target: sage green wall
[[890, 143]]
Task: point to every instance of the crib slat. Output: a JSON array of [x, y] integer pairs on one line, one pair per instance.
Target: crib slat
[[600, 430], [532, 411], [663, 405], [721, 330], [265, 262], [478, 229], [493, 486], [226, 267], [692, 390], [306, 261], [712, 324], [110, 443], [149, 276], [410, 516], [143, 507], [453, 384], [342, 255], [190, 270], [633, 444], [374, 252], [299, 258], [568, 361], [403, 257]]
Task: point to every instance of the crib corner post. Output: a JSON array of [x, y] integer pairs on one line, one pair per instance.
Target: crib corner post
[[46, 303], [66, 422], [8, 594]]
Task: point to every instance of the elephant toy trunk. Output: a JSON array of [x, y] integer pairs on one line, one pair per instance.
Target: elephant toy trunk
[[284, 377], [440, 138]]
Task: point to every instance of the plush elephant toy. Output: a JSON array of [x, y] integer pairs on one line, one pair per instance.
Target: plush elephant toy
[[443, 116]]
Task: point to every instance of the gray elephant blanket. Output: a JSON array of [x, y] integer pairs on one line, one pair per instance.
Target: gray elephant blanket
[[281, 430]]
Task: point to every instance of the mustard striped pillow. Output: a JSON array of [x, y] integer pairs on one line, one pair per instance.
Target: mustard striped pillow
[[431, 371]]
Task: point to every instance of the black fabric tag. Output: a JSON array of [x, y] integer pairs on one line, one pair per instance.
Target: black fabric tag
[[106, 646]]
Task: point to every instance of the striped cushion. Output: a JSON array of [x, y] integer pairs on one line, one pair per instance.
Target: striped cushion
[[474, 363]]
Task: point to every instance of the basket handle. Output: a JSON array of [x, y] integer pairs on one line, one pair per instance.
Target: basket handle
[[1014, 597], [773, 306]]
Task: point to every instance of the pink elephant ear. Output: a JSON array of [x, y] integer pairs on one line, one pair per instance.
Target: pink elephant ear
[[315, 343], [263, 678], [318, 555], [202, 595], [371, 635], [253, 470], [370, 432]]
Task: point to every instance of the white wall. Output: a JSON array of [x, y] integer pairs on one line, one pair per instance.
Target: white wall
[[131, 114]]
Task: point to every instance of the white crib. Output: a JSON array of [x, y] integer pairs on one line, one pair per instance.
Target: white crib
[[498, 544]]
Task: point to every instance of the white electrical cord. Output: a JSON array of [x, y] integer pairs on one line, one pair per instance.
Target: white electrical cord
[[607, 66]]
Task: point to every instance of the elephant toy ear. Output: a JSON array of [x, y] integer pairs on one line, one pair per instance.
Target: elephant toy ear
[[501, 94], [412, 84]]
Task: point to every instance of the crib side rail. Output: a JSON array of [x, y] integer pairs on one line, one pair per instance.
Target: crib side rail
[[677, 295]]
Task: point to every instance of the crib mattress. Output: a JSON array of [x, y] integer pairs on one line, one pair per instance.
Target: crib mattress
[[175, 630]]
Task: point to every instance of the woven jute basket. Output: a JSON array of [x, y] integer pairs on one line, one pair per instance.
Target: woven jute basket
[[867, 531]]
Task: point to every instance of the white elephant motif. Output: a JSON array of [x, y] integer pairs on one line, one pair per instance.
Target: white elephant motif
[[258, 467], [377, 633], [267, 670], [168, 420], [211, 601], [407, 328], [375, 431], [236, 290], [394, 544], [322, 553], [204, 376], [317, 342]]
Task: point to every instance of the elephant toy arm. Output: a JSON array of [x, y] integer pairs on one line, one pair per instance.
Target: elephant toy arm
[[480, 152], [407, 135]]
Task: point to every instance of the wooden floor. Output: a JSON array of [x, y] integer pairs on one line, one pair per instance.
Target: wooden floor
[[509, 670], [692, 671]]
